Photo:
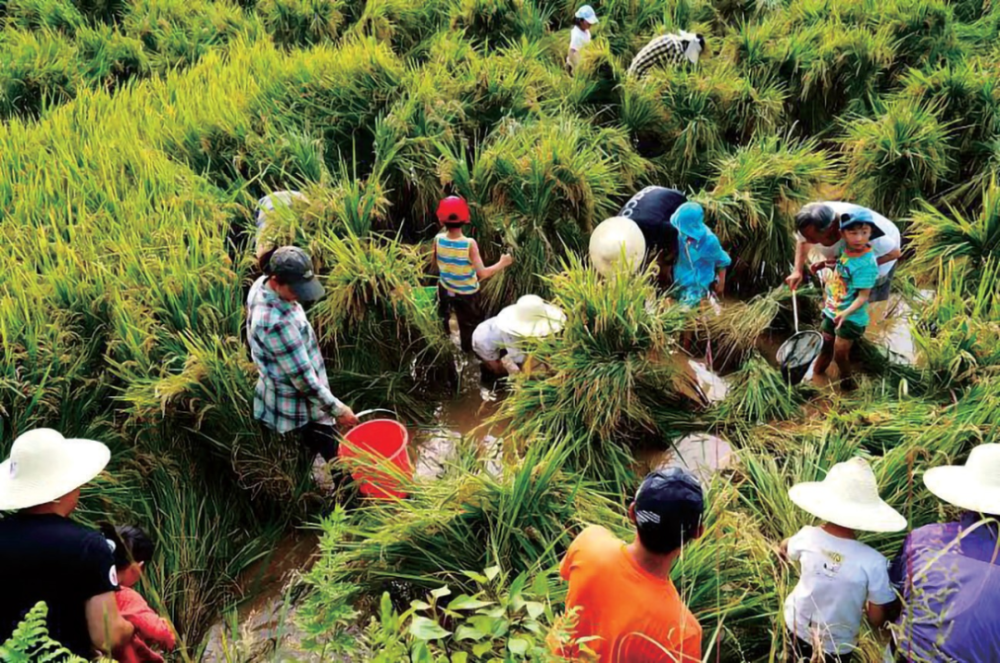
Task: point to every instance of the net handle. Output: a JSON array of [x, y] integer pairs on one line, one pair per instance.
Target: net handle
[[795, 310]]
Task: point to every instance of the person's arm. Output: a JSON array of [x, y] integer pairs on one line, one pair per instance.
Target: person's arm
[[802, 247], [720, 281], [482, 271], [107, 629], [878, 615], [858, 302], [291, 351], [889, 257], [510, 365], [149, 625]]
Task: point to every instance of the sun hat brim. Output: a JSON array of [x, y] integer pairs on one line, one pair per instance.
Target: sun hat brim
[[509, 322], [816, 498], [957, 485], [79, 463]]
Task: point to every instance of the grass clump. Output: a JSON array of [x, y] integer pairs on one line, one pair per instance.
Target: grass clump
[[37, 70], [302, 22], [758, 394]]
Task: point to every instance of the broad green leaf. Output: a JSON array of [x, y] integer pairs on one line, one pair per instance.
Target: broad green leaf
[[478, 577], [535, 609], [532, 625], [518, 646], [481, 648], [420, 605], [440, 591], [492, 572], [465, 602], [421, 653], [517, 586], [460, 657], [427, 629], [540, 586], [467, 632]]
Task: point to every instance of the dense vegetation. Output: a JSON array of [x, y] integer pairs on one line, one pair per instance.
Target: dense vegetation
[[137, 134]]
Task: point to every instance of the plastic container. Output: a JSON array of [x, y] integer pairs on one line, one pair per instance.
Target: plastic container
[[378, 441]]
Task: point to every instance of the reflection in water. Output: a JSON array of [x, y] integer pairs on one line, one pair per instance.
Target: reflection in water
[[700, 453]]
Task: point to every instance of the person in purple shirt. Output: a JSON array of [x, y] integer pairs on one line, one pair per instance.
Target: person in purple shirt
[[949, 574]]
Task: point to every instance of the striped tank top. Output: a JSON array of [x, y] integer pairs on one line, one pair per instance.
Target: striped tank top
[[458, 275]]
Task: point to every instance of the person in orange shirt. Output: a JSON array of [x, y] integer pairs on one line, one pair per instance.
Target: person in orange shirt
[[626, 600]]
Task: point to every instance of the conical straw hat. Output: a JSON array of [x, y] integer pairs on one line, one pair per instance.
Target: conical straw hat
[[43, 466], [531, 317], [974, 486], [610, 239], [848, 497]]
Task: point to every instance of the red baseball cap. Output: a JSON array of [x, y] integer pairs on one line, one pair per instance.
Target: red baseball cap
[[453, 209]]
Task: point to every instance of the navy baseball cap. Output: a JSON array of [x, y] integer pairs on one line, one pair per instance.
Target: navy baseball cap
[[293, 267], [668, 509], [861, 216]]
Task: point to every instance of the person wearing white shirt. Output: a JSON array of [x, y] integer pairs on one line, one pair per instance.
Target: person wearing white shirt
[[579, 36], [497, 340], [842, 580], [279, 200], [818, 226]]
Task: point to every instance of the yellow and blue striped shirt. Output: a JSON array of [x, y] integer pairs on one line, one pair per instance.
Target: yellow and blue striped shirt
[[454, 261]]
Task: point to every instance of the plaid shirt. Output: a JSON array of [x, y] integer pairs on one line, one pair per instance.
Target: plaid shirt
[[669, 49], [292, 389]]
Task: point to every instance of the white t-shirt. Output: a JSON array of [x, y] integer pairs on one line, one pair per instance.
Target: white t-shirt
[[267, 204], [889, 242], [577, 40], [488, 342], [838, 576]]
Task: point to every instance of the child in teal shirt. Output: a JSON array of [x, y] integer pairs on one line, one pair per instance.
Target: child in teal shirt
[[845, 313]]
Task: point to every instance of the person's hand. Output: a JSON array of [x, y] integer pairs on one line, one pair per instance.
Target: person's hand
[[822, 264], [347, 418], [506, 260], [794, 280], [720, 287], [838, 321]]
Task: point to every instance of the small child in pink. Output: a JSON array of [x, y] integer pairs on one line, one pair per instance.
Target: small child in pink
[[132, 549]]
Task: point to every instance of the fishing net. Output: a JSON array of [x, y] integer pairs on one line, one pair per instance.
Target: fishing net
[[797, 354]]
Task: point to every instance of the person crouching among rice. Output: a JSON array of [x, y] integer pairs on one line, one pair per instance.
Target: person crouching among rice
[[460, 270], [841, 579], [701, 260], [498, 342]]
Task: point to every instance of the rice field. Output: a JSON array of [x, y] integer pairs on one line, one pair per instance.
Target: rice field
[[137, 135]]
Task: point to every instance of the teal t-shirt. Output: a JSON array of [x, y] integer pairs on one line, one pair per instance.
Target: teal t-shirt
[[853, 272]]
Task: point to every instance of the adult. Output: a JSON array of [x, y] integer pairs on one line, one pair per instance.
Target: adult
[[949, 574], [818, 226], [668, 49], [626, 599], [616, 239], [293, 393], [44, 556], [651, 210], [273, 203], [498, 342], [579, 36]]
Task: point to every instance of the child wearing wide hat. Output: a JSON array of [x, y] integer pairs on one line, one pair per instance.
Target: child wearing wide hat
[[841, 578], [498, 342]]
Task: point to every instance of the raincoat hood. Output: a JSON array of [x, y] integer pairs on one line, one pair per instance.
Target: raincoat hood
[[689, 220]]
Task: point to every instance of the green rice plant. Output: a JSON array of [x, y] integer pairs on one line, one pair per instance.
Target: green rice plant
[[970, 241], [37, 70], [757, 394], [737, 329], [398, 23], [497, 21], [608, 374], [903, 154], [756, 191], [109, 58], [31, 641], [55, 15], [302, 22]]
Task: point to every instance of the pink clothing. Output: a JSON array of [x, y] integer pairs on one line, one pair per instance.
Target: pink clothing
[[149, 628]]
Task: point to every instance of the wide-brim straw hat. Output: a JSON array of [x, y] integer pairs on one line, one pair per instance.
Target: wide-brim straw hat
[[43, 466], [531, 317], [612, 239], [848, 497], [974, 486]]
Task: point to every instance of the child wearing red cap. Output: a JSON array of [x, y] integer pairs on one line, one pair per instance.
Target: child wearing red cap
[[461, 269]]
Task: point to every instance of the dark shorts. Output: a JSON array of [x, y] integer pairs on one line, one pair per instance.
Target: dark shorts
[[319, 439], [850, 331], [880, 292]]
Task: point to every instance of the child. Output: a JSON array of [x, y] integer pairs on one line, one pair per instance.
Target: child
[[701, 260], [854, 273], [132, 548], [579, 36], [841, 578], [461, 269]]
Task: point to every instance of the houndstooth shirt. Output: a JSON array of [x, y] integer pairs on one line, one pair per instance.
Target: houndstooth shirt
[[667, 49], [292, 389]]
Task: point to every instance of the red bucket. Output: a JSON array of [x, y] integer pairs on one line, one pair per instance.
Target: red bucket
[[375, 442]]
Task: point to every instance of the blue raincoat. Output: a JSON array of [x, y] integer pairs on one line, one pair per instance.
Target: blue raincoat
[[699, 254]]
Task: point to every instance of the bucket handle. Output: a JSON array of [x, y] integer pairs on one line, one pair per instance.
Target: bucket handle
[[373, 410]]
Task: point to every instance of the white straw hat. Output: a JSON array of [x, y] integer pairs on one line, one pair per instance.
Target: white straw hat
[[610, 238], [974, 486], [43, 466], [531, 317], [848, 497]]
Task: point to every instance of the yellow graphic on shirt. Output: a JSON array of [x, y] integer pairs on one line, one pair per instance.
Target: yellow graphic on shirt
[[832, 566], [836, 288]]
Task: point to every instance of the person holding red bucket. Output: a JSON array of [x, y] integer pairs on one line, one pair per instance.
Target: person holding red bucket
[[293, 392]]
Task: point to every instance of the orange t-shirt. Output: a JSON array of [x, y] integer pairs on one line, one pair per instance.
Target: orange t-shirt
[[620, 602]]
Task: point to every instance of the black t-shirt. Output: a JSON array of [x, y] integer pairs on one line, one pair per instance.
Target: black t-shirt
[[651, 210], [50, 558]]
